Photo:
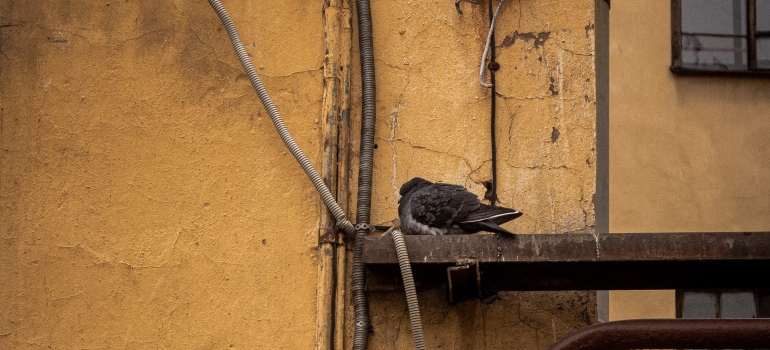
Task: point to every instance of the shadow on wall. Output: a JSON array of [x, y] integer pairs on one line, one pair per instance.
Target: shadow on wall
[[518, 320]]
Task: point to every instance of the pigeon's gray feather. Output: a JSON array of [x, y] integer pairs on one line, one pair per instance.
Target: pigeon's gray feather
[[437, 209]]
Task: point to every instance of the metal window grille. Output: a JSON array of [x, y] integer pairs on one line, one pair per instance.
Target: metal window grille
[[720, 36]]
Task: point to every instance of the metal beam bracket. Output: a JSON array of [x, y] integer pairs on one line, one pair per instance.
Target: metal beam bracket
[[464, 280], [527, 262]]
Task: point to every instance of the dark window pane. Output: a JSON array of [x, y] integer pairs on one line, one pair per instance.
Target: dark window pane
[[700, 51], [737, 305], [763, 52], [763, 15], [714, 16], [763, 304], [699, 305]]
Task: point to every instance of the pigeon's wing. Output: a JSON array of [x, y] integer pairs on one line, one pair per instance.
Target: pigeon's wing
[[498, 215], [488, 218], [442, 205]]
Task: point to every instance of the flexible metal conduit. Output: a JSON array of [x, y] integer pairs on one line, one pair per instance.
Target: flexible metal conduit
[[366, 154], [326, 196], [411, 293], [361, 334]]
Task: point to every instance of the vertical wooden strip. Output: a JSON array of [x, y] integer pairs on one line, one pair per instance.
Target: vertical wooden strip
[[327, 239], [344, 169]]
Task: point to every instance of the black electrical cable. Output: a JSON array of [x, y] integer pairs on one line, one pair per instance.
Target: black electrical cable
[[493, 66], [366, 155]]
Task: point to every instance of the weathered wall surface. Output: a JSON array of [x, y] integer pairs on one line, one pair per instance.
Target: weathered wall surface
[[146, 200], [687, 153], [434, 121]]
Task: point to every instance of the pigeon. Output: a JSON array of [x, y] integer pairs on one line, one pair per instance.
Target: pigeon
[[426, 208]]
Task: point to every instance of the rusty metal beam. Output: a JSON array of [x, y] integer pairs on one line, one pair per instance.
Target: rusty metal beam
[[670, 334], [579, 261]]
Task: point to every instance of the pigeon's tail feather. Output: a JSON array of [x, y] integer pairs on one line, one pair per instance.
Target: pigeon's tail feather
[[484, 225], [496, 215]]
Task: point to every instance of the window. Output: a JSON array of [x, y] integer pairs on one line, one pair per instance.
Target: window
[[720, 36], [723, 304]]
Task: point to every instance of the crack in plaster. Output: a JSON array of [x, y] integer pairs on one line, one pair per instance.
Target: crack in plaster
[[2, 121], [477, 169], [60, 31], [467, 162], [392, 137], [214, 52], [220, 262], [418, 33], [529, 98], [455, 32], [287, 75], [560, 76], [197, 36], [171, 28], [400, 66], [562, 48], [398, 328]]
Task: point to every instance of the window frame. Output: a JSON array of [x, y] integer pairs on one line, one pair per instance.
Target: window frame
[[760, 308], [751, 37]]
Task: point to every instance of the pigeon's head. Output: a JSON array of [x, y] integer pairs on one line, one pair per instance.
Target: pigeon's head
[[413, 184]]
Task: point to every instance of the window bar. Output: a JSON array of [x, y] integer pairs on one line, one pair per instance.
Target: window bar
[[716, 35], [751, 43], [737, 20]]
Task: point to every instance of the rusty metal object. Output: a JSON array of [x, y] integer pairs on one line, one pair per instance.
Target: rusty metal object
[[464, 280], [670, 334], [457, 4], [579, 261], [329, 235]]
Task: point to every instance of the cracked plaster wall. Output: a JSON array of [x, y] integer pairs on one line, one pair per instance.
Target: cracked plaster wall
[[147, 202], [433, 116], [433, 122]]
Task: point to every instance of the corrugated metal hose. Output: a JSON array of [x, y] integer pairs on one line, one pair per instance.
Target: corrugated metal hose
[[366, 155], [362, 227], [409, 289], [243, 56]]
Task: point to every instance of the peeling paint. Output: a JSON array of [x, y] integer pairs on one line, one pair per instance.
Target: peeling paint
[[538, 39]]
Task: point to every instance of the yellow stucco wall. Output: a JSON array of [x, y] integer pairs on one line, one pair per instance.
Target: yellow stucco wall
[[433, 122], [433, 116], [687, 153], [146, 200]]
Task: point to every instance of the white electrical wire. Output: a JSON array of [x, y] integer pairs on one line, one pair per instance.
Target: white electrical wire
[[483, 67]]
